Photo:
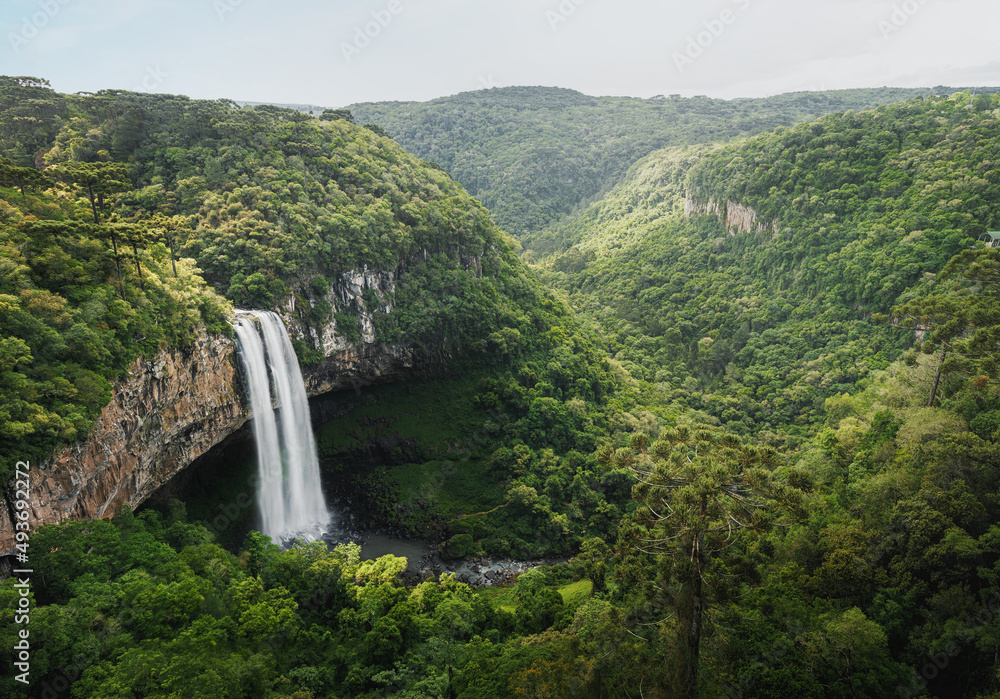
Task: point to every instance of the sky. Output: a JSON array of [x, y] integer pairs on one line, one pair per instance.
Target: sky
[[333, 53]]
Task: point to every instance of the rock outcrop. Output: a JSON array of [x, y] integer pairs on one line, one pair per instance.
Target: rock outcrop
[[743, 219], [173, 408], [162, 416]]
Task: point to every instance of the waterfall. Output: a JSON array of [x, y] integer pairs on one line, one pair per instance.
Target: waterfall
[[289, 491]]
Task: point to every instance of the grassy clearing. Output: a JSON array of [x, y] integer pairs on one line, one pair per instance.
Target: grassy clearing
[[573, 594], [500, 597], [576, 592]]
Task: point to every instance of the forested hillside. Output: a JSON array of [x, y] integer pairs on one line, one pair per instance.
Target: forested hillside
[[531, 155], [849, 238], [750, 395], [129, 200], [757, 327]]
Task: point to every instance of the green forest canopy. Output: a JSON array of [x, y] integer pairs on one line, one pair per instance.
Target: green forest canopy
[[762, 378], [532, 155]]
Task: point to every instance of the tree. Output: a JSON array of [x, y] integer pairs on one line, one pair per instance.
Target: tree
[[375, 128], [97, 180], [962, 318], [703, 490], [112, 232], [337, 114], [135, 235], [24, 178], [166, 228]]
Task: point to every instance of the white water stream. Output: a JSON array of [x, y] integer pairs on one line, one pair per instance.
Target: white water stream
[[290, 496]]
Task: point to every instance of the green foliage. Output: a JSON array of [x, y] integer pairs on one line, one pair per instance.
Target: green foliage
[[757, 313], [533, 154], [262, 203], [882, 582], [117, 611], [270, 201], [71, 327]]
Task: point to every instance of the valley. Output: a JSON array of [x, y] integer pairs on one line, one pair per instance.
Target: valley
[[708, 387]]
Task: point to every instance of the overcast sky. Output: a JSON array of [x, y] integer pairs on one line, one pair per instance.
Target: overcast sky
[[337, 52]]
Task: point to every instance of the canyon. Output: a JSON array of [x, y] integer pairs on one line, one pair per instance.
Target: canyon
[[173, 408]]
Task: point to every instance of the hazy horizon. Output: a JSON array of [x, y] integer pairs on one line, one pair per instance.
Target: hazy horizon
[[395, 50]]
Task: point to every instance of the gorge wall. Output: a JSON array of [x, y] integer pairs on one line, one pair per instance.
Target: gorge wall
[[735, 215], [171, 409]]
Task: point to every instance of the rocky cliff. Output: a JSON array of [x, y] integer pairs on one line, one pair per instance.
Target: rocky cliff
[[173, 408], [742, 218], [164, 414]]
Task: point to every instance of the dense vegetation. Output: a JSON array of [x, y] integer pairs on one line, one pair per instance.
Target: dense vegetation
[[780, 480], [266, 205], [758, 327], [531, 155], [78, 302], [151, 606]]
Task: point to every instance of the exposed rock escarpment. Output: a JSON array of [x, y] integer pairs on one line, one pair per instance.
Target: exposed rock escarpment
[[164, 414], [743, 218]]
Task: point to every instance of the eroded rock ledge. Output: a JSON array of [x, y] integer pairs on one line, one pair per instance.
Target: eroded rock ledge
[[162, 416]]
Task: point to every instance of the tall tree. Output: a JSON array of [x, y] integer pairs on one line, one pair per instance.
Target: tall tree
[[960, 317], [136, 235], [98, 181], [165, 228], [24, 178], [703, 491]]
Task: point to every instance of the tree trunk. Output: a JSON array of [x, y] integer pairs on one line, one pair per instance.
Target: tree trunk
[[937, 377], [694, 607], [138, 267], [118, 268], [172, 262], [93, 203], [694, 633]]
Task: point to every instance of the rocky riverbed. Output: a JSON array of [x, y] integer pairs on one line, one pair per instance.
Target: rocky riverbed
[[425, 562]]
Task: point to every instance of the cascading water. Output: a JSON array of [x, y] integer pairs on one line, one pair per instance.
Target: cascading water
[[289, 493]]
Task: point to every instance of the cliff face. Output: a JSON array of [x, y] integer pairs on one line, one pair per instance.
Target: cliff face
[[743, 218], [170, 410], [162, 416]]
